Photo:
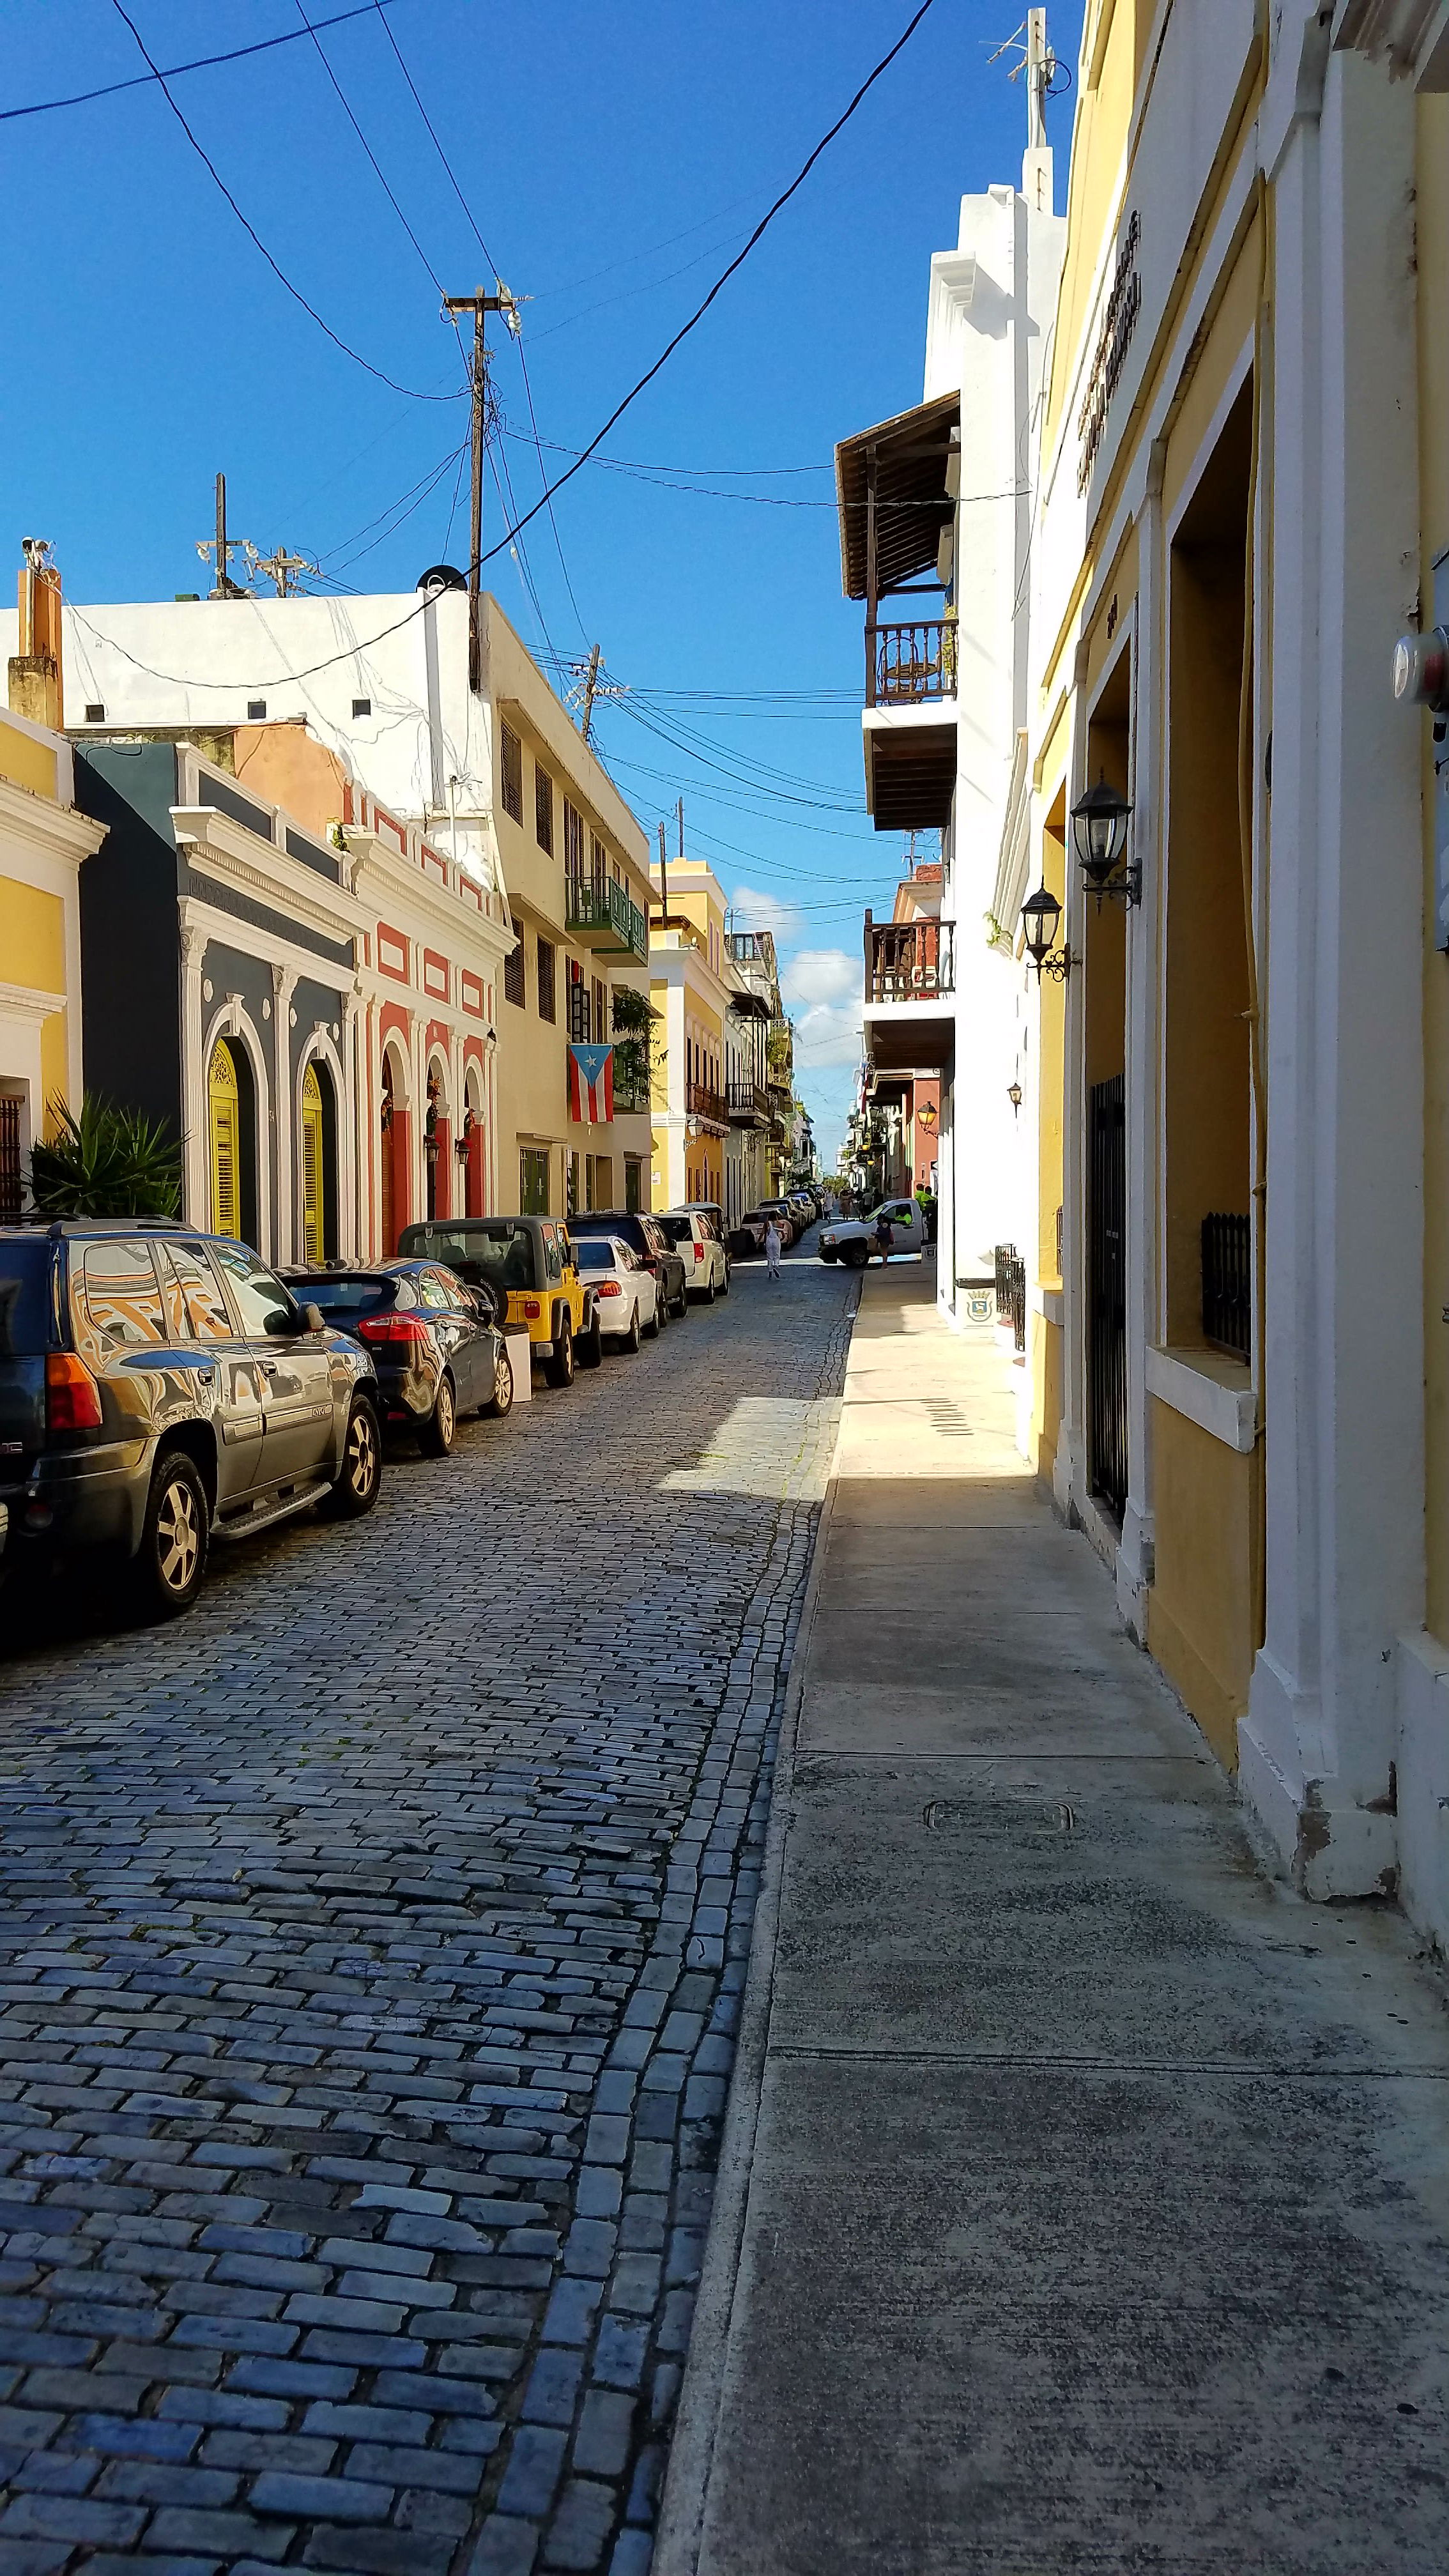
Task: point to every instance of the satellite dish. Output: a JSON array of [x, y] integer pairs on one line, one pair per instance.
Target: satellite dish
[[441, 577]]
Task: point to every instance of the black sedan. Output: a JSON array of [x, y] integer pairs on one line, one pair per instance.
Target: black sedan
[[430, 1338]]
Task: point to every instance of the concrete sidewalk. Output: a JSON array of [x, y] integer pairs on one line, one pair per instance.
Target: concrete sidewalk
[[1085, 2198]]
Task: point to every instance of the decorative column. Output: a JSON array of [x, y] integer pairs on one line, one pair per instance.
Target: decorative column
[[1069, 1470], [195, 1206], [284, 1224]]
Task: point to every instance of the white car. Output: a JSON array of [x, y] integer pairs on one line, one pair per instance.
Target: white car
[[695, 1234], [852, 1239], [626, 1299]]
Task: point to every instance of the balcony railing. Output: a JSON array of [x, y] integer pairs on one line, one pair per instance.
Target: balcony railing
[[1227, 1284], [749, 1105], [1011, 1292], [701, 1102], [907, 666], [908, 961], [600, 914]]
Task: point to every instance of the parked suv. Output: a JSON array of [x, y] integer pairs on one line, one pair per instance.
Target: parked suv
[[644, 1235], [160, 1388], [693, 1236], [529, 1262]]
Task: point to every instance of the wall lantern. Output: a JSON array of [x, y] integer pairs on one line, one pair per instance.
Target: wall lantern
[[1013, 1094], [1099, 830], [1040, 920]]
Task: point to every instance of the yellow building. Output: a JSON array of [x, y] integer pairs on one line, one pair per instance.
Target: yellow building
[[574, 866], [43, 842], [691, 983], [1240, 1255]]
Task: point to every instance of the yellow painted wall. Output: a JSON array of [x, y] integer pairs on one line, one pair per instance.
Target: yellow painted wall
[[1046, 1394], [32, 937], [1202, 1612], [27, 763], [1099, 144], [1433, 258]]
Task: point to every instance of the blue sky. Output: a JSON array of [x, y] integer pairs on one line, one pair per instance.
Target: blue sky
[[613, 161]]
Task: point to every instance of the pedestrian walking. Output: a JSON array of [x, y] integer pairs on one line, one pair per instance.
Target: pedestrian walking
[[772, 1249], [885, 1236]]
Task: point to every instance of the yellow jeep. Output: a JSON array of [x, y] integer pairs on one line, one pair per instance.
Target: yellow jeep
[[528, 1263]]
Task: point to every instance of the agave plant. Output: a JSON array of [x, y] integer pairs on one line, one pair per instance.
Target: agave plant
[[105, 1161]]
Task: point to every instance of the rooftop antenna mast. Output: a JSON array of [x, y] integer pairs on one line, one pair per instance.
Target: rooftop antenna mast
[[1046, 75]]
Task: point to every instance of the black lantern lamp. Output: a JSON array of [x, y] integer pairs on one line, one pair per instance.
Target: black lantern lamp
[[1014, 1095], [1099, 829], [1040, 920]]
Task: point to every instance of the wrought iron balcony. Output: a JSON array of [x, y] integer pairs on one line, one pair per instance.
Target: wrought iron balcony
[[600, 915], [908, 961], [701, 1102], [907, 666], [749, 1105]]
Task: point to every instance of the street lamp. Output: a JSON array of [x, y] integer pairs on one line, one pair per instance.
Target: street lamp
[[1040, 920], [1014, 1095], [1099, 829]]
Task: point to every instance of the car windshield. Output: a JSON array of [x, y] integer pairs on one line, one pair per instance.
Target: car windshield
[[342, 1296], [24, 1298], [595, 1252], [499, 1251]]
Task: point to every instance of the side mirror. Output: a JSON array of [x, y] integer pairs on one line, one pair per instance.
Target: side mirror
[[314, 1319]]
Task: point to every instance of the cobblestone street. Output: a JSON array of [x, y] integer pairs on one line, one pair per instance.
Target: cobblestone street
[[372, 1947]]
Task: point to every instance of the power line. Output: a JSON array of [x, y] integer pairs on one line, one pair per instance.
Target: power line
[[175, 71], [179, 679], [254, 236], [381, 175], [543, 477], [379, 5]]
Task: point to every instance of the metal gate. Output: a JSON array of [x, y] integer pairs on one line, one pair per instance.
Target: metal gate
[[1107, 1294]]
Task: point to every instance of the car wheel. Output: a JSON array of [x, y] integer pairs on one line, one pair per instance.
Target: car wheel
[[559, 1370], [724, 1285], [589, 1348], [682, 1307], [501, 1400], [651, 1329], [828, 1256], [436, 1437], [356, 1488], [630, 1339], [167, 1572]]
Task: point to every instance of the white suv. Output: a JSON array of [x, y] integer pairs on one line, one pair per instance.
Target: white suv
[[852, 1239], [695, 1233]]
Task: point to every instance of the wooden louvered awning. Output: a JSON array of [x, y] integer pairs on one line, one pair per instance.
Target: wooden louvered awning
[[893, 496]]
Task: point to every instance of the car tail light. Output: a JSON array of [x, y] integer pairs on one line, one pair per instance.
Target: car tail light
[[532, 1309], [391, 1328], [699, 1252], [72, 1397], [609, 1288]]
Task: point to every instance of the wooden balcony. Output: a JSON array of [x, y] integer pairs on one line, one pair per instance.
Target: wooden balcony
[[912, 665], [711, 1106], [908, 961], [749, 1105]]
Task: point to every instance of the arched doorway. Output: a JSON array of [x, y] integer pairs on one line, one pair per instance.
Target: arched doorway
[[469, 1149], [393, 1151], [319, 1162], [231, 1122], [437, 1140]]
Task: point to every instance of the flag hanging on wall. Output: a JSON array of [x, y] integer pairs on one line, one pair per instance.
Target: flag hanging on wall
[[591, 1085]]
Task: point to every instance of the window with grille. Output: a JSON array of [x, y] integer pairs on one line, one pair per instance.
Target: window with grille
[[579, 1030], [600, 862], [9, 1158], [513, 982], [543, 807], [510, 767], [546, 1005], [601, 1009]]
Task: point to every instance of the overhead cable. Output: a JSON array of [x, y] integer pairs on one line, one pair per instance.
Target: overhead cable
[[412, 391], [202, 63]]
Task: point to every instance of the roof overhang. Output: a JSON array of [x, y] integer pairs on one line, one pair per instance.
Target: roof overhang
[[910, 774], [915, 1038], [911, 456]]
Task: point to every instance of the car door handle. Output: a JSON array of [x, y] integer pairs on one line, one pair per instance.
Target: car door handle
[[270, 1366]]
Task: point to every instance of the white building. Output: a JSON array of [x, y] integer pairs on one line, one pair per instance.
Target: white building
[[941, 498]]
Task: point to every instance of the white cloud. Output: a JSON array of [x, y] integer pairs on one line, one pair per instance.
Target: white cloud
[[828, 1033], [822, 975], [756, 911]]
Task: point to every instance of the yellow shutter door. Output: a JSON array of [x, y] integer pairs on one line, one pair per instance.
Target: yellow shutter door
[[313, 1217], [224, 1126]]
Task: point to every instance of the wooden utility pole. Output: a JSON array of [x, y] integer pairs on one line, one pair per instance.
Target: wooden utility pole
[[591, 683], [220, 548], [663, 875], [679, 809], [480, 306]]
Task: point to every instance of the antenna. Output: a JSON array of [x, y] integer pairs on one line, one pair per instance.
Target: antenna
[[1047, 76]]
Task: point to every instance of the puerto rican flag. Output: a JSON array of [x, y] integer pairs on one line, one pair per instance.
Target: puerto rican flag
[[591, 1085]]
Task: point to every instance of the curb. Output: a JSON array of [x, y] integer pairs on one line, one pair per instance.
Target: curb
[[680, 2531]]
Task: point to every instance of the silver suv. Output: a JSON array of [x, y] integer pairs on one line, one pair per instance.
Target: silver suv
[[160, 1388]]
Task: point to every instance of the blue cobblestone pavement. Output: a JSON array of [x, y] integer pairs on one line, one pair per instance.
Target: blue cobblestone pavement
[[370, 1950]]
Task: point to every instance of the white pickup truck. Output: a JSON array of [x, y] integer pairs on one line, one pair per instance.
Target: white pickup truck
[[852, 1239]]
